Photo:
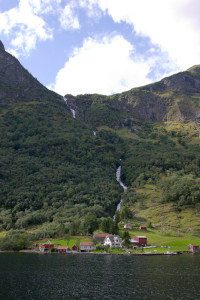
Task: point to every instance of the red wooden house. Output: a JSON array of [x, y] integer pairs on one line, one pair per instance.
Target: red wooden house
[[46, 247], [140, 241], [75, 248], [143, 227]]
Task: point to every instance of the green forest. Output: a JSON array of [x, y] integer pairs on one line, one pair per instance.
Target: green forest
[[57, 177]]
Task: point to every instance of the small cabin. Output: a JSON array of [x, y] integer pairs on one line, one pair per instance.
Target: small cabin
[[194, 248], [139, 241], [75, 248], [128, 226], [143, 227], [62, 249]]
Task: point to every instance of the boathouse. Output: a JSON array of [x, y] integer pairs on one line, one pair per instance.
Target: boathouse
[[194, 248], [62, 249]]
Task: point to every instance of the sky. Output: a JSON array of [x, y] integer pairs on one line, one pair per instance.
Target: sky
[[101, 46]]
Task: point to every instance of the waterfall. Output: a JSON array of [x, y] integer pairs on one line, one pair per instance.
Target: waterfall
[[118, 178], [73, 113], [94, 133], [71, 109]]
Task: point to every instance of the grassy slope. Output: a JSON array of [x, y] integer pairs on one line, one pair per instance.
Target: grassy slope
[[150, 207], [157, 238], [164, 215]]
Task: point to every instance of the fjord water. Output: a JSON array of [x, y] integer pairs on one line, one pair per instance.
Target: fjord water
[[87, 276]]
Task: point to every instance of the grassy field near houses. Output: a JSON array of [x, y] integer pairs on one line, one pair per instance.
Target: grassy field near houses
[[156, 238], [159, 240], [71, 241], [162, 240]]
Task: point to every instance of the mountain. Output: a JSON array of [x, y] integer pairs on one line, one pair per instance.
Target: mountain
[[175, 98], [59, 155], [53, 170], [159, 125]]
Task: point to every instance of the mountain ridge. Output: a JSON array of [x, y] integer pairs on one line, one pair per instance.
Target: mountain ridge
[[170, 99]]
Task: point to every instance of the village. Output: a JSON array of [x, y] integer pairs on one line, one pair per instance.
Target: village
[[103, 243]]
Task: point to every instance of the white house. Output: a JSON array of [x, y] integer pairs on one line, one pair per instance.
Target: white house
[[113, 241], [86, 246]]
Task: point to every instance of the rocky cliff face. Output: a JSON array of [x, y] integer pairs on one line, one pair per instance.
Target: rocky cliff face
[[12, 71], [16, 83], [175, 98]]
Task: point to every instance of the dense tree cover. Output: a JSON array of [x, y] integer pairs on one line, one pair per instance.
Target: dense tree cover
[[126, 238], [55, 173], [161, 159], [15, 240], [109, 225], [181, 189], [52, 167]]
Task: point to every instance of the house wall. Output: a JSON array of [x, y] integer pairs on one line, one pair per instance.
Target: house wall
[[142, 241], [87, 248]]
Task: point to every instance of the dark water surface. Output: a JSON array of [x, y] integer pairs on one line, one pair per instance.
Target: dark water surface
[[61, 276]]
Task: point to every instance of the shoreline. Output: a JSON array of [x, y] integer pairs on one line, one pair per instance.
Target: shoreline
[[99, 253]]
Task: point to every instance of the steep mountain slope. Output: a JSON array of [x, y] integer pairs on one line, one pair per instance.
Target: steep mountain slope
[[159, 124], [175, 98], [52, 167], [59, 171]]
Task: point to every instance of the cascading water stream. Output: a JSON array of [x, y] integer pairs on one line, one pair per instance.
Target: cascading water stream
[[71, 109], [118, 178], [73, 113]]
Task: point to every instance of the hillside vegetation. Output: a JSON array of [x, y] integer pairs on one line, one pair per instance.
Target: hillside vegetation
[[58, 177]]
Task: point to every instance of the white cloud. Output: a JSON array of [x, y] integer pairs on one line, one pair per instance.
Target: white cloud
[[26, 24], [92, 8], [172, 24], [68, 19], [104, 67]]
